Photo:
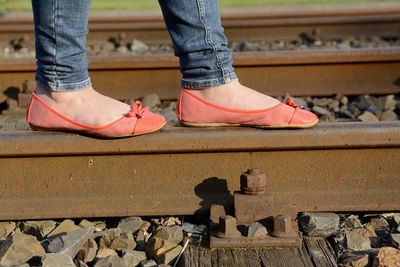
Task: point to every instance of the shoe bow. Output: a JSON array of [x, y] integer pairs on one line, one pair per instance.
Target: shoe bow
[[137, 110], [291, 103]]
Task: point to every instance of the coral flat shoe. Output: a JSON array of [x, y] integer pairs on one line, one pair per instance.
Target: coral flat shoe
[[138, 120], [195, 111]]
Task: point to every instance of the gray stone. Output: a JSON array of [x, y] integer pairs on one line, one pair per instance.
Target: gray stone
[[387, 257], [345, 112], [356, 241], [67, 226], [162, 251], [364, 102], [38, 228], [194, 229], [6, 228], [109, 46], [133, 257], [322, 102], [387, 102], [380, 226], [327, 118], [356, 258], [344, 100], [319, 224], [145, 225], [151, 101], [369, 233], [368, 117], [18, 249], [105, 252], [111, 261], [148, 263], [170, 221], [396, 222], [395, 238], [108, 237], [389, 115], [353, 109], [53, 260], [108, 232], [122, 49], [352, 222], [88, 251], [255, 229], [138, 47], [247, 46], [79, 263], [125, 241], [334, 106], [71, 243], [140, 242], [98, 225], [173, 234], [373, 110], [321, 111]]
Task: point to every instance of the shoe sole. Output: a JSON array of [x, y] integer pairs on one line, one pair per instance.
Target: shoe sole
[[300, 126], [36, 128]]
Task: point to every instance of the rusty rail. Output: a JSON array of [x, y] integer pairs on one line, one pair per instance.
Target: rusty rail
[[299, 73], [332, 167], [335, 23]]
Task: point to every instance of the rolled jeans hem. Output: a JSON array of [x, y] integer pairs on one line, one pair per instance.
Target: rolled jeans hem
[[199, 84], [69, 87]]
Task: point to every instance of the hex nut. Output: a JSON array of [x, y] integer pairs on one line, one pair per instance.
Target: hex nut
[[253, 182]]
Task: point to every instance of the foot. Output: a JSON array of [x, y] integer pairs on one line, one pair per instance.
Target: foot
[[236, 96], [84, 106]]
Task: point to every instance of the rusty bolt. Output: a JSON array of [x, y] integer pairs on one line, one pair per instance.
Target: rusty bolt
[[28, 86], [227, 228], [282, 226], [253, 182]]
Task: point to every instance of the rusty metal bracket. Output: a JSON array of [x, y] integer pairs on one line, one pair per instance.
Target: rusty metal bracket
[[255, 223]]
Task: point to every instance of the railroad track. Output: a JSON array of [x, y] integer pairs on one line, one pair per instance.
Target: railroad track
[[179, 170], [298, 73], [331, 167], [276, 73], [262, 25]]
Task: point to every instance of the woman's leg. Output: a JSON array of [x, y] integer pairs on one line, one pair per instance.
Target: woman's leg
[[62, 75], [206, 61]]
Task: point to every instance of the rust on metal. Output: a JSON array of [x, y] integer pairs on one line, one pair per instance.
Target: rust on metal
[[228, 228], [241, 26], [283, 227], [251, 208], [253, 202], [226, 234], [181, 170], [253, 182], [318, 73]]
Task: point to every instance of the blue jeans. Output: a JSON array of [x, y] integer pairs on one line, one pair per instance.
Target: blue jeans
[[194, 25]]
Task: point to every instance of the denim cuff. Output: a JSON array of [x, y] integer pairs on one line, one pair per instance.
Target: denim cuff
[[58, 87], [199, 84]]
